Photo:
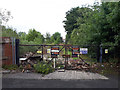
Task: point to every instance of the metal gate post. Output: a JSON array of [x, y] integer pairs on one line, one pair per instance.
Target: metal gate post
[[65, 58], [42, 52], [12, 39], [17, 51], [100, 53]]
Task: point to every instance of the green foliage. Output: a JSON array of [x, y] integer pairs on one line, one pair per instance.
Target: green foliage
[[111, 60], [47, 38], [35, 37], [56, 38], [32, 34], [95, 25], [43, 68], [75, 58], [21, 67], [10, 67], [85, 57], [24, 50], [39, 39], [22, 35], [60, 66], [70, 53], [9, 32], [74, 18], [71, 19]]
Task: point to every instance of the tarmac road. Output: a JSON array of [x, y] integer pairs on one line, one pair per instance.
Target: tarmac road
[[34, 83]]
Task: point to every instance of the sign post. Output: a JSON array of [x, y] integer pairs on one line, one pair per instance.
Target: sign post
[[75, 51], [54, 53], [54, 62]]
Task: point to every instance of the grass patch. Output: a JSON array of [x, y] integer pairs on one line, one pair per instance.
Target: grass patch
[[85, 57], [106, 69], [10, 67], [88, 59], [75, 58]]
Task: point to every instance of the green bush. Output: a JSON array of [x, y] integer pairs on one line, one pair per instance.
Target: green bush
[[21, 67], [43, 68], [24, 50], [111, 60], [61, 66], [10, 67]]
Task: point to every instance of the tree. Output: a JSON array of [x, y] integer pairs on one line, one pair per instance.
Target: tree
[[22, 35], [97, 25], [56, 38], [39, 39], [47, 38], [74, 18], [32, 34], [70, 22], [9, 32]]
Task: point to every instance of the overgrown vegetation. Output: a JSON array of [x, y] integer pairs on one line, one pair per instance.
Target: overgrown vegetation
[[106, 69], [87, 25], [43, 68], [35, 37], [60, 66], [95, 25], [10, 67]]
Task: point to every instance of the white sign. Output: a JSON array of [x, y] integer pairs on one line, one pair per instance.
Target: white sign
[[54, 50], [83, 50], [22, 59]]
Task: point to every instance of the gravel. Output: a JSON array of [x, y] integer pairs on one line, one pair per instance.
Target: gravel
[[68, 74]]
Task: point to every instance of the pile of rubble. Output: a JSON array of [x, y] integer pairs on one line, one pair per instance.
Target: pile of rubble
[[27, 62], [78, 64]]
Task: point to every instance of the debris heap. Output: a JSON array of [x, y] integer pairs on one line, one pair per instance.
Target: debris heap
[[28, 61], [78, 64]]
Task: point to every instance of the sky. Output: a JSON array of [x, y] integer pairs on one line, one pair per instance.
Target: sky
[[42, 15]]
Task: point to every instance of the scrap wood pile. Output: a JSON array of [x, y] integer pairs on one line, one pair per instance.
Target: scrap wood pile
[[79, 64], [28, 61], [76, 64]]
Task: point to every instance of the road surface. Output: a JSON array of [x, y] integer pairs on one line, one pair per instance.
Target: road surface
[[112, 82]]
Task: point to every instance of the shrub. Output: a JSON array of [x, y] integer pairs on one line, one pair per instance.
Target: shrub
[[10, 67], [111, 60], [21, 67], [61, 66], [43, 68]]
